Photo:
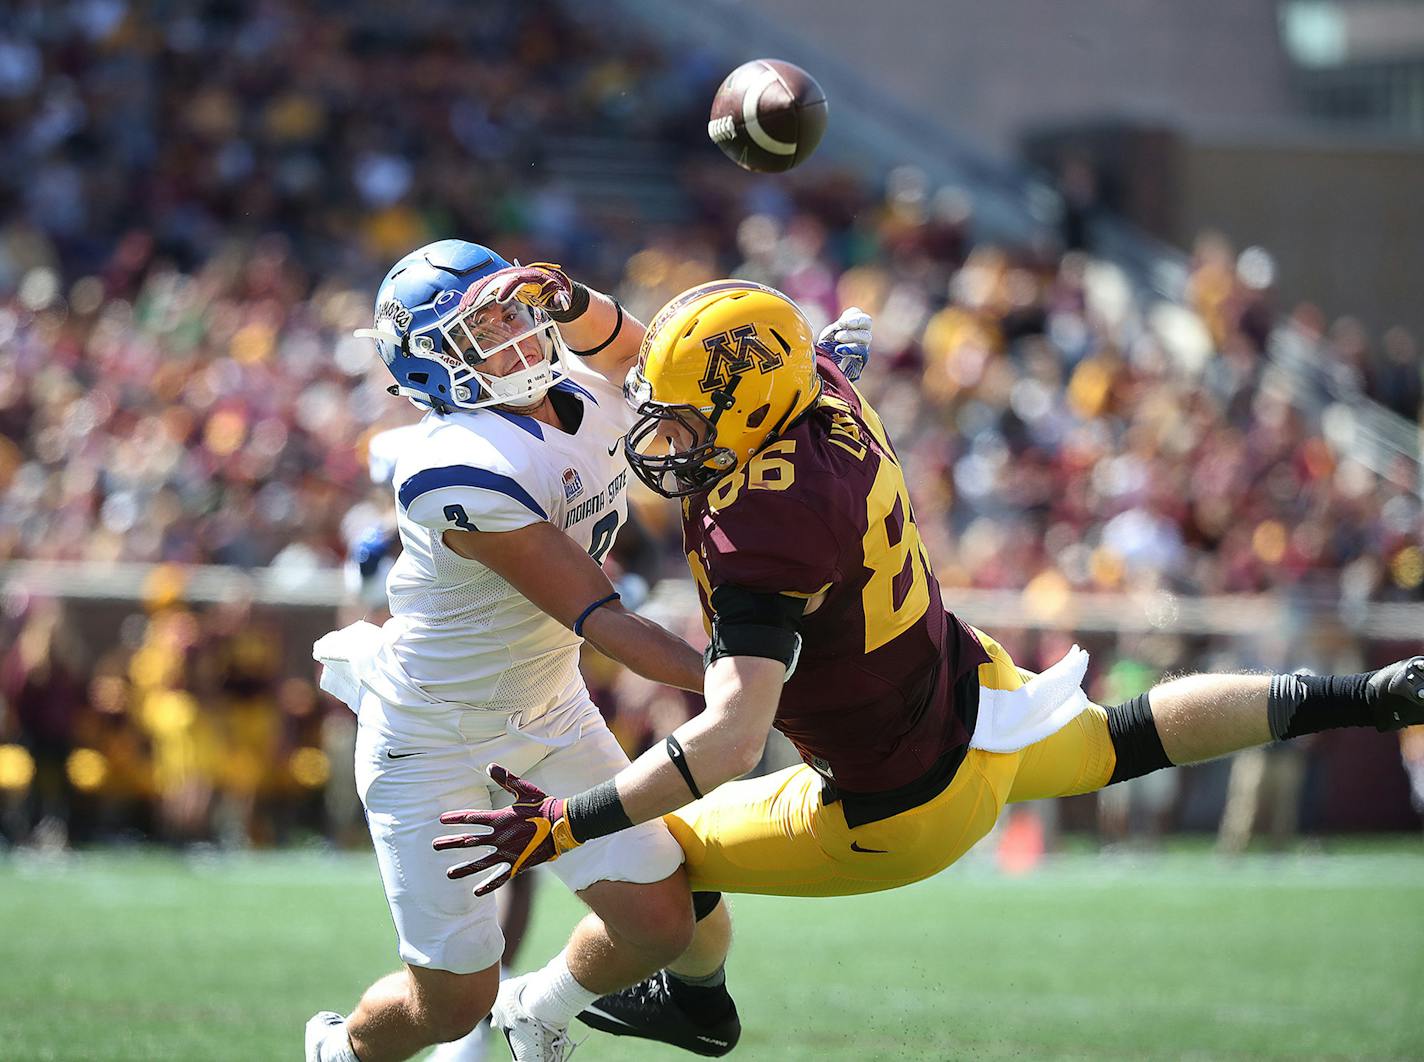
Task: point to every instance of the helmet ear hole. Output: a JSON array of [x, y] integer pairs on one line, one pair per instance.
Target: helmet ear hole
[[755, 418], [421, 378]]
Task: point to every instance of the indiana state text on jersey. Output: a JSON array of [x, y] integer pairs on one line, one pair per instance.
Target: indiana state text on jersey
[[606, 498]]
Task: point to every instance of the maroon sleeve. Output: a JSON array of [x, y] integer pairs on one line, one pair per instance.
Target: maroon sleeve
[[771, 542]]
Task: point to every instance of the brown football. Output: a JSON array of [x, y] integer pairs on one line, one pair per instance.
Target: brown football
[[768, 116]]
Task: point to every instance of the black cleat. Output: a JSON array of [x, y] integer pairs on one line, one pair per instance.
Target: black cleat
[[1399, 694], [649, 1010]]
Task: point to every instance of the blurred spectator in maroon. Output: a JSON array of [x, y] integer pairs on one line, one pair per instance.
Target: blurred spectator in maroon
[[42, 679]]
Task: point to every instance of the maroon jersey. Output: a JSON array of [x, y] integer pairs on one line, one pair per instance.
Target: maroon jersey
[[824, 509]]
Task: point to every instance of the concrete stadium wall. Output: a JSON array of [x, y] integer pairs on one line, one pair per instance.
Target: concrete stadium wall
[[1344, 221], [988, 70]]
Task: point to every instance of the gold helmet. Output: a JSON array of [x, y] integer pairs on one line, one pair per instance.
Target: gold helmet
[[724, 367]]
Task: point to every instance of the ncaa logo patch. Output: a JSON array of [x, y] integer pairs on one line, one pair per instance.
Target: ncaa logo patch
[[573, 485]]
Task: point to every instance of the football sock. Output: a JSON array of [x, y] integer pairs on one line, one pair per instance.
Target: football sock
[[553, 995], [704, 998], [1137, 747], [1308, 704]]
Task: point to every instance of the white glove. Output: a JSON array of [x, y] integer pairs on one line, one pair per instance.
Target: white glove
[[846, 340]]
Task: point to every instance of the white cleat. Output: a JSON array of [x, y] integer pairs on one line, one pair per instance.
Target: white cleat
[[319, 1027], [530, 1040]]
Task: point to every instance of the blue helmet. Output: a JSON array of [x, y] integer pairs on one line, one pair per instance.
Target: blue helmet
[[433, 337]]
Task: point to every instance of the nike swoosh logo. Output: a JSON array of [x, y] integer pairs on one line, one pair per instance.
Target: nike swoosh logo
[[399, 755], [614, 1019], [594, 1009], [542, 827], [617, 445], [855, 847]]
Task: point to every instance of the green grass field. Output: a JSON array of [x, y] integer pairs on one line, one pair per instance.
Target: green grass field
[[145, 956]]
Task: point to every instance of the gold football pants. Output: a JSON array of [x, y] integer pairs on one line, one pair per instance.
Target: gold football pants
[[774, 835]]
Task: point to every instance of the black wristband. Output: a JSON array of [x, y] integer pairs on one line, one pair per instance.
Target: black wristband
[[617, 327], [578, 305], [596, 812]]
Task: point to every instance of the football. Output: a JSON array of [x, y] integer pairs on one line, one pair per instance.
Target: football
[[768, 116]]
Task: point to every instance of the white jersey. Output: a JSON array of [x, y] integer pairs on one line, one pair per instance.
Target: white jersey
[[459, 633]]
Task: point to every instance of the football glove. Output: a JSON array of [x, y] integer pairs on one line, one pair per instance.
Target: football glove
[[531, 831], [373, 547], [846, 341], [541, 284]]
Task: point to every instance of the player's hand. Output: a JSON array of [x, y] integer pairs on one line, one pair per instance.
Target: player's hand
[[512, 839], [374, 546], [541, 284], [846, 340]]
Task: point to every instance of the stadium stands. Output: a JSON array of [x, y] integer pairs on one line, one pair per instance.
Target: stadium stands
[[192, 222]]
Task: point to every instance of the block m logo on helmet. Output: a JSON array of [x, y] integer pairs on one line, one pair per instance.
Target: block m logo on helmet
[[732, 353]]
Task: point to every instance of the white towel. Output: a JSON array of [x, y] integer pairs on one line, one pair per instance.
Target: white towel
[[1010, 720], [343, 655], [346, 655]]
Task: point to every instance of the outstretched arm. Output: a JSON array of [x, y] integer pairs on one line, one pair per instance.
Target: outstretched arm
[[549, 568], [605, 322], [755, 643], [721, 743]]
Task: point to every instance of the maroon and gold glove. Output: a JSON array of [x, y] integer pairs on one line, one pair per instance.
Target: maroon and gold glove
[[531, 831], [541, 284]]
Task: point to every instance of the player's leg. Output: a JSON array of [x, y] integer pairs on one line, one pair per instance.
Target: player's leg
[[642, 911], [410, 767], [1200, 717], [514, 901], [706, 956], [416, 1007], [685, 1004], [1078, 758], [632, 931], [779, 835]]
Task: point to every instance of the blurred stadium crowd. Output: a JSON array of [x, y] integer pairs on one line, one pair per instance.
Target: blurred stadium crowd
[[194, 216]]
